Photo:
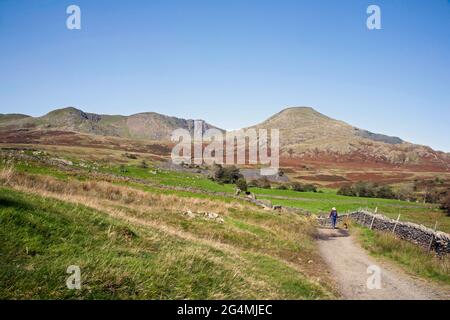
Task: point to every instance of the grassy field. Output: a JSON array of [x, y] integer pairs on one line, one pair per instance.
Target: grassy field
[[127, 228], [318, 203], [135, 244], [412, 258], [171, 178]]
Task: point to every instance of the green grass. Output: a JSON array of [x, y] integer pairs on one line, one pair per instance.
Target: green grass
[[171, 178], [176, 179], [283, 278], [316, 202], [414, 259], [34, 168], [41, 237]]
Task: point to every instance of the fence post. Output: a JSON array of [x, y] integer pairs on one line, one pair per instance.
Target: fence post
[[432, 237], [396, 222], [371, 224]]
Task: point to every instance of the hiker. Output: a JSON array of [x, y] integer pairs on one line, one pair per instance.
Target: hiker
[[333, 216]]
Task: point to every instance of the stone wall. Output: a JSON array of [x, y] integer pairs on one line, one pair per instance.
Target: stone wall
[[414, 233]]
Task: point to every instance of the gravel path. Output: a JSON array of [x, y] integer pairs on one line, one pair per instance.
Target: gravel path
[[348, 263]]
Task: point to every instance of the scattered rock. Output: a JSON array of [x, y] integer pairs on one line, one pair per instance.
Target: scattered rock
[[207, 215], [190, 214], [212, 215]]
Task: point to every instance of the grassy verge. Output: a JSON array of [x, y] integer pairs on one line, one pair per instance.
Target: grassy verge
[[409, 256]]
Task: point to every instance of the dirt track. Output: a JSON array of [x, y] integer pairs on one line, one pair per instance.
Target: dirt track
[[349, 262]]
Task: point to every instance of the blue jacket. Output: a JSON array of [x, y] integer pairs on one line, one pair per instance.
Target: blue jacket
[[333, 214]]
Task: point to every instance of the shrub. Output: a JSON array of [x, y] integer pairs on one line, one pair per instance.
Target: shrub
[[347, 191], [252, 183], [310, 188], [229, 174], [385, 192], [433, 196], [263, 183], [296, 186], [282, 187], [241, 184], [405, 193], [367, 189], [143, 164]]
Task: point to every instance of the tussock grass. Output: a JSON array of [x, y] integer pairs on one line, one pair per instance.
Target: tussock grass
[[41, 237], [109, 191]]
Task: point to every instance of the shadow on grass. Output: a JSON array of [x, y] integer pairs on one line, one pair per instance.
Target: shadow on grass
[[6, 202]]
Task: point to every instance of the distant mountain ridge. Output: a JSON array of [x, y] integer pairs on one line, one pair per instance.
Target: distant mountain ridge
[[304, 133], [147, 125]]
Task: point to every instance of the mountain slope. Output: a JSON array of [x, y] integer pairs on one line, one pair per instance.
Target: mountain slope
[[306, 133], [11, 117], [149, 125]]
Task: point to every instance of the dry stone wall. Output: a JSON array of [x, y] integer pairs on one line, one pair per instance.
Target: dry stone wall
[[415, 233]]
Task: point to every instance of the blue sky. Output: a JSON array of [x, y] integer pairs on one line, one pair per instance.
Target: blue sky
[[234, 63]]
